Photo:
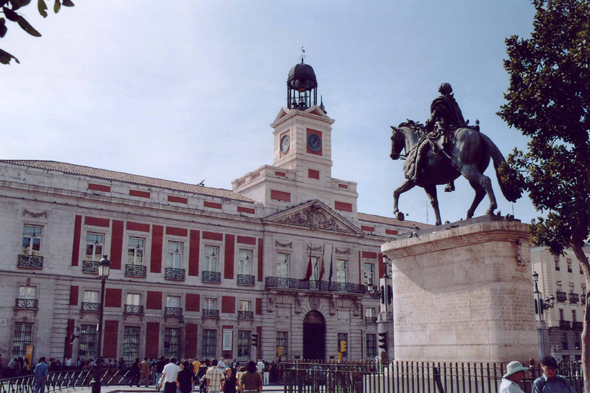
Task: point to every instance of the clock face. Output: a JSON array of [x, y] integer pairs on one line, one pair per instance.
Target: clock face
[[314, 142], [285, 143]]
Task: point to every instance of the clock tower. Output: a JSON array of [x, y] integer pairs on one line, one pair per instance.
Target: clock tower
[[302, 164]]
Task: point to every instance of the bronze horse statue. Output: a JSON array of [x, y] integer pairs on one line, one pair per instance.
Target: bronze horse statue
[[468, 155]]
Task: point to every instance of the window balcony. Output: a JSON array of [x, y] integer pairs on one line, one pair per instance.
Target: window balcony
[[138, 271], [578, 326], [210, 313], [90, 267], [563, 324], [173, 312], [561, 296], [174, 274], [370, 320], [312, 285], [246, 280], [90, 307], [30, 262], [247, 315], [133, 309], [574, 298], [29, 304], [212, 277]]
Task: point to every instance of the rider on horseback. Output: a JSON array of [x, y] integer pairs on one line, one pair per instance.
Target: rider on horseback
[[445, 118]]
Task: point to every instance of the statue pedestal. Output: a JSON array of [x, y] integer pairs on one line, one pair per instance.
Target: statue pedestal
[[464, 292]]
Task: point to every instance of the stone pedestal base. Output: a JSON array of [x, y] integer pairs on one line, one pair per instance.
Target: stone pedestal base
[[464, 292]]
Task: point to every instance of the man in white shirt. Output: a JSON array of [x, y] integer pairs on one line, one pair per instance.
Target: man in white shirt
[[169, 375], [221, 363], [214, 377], [510, 380]]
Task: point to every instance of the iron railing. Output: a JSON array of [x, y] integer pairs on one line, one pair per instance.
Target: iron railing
[[409, 377], [249, 315], [578, 326], [133, 309], [563, 324], [574, 297], [207, 313], [138, 271], [173, 312], [89, 307], [247, 280], [370, 320], [561, 296], [174, 274], [90, 267], [211, 276], [313, 285], [30, 261], [26, 303]]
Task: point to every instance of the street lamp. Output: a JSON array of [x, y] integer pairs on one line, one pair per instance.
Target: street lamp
[[104, 268], [540, 306]]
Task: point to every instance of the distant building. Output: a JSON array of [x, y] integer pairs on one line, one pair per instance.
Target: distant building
[[563, 278], [196, 271]]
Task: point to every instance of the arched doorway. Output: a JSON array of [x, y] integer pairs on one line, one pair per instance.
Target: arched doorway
[[314, 336]]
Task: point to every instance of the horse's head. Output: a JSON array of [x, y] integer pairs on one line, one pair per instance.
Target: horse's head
[[398, 142]]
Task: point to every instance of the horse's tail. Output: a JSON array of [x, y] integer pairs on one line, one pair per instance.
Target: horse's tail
[[511, 192]]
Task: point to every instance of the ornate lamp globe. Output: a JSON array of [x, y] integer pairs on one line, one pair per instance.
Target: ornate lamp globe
[[104, 267]]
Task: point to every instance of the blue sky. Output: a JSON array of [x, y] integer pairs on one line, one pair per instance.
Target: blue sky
[[186, 90]]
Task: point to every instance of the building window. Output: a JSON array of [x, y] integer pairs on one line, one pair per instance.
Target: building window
[[283, 344], [94, 246], [210, 304], [209, 344], [26, 292], [32, 240], [315, 263], [341, 268], [371, 346], [569, 265], [173, 301], [343, 337], [174, 255], [556, 259], [91, 297], [211, 258], [369, 312], [368, 274], [577, 341], [171, 338], [23, 336], [88, 339], [564, 343], [245, 262], [561, 318], [135, 249], [245, 305], [130, 343], [133, 299], [243, 345], [283, 265]]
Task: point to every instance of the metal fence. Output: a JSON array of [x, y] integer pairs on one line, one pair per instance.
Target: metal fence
[[63, 381], [410, 377]]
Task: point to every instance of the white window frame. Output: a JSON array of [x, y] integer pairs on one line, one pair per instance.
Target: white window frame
[[283, 261], [211, 303], [368, 278], [133, 299], [35, 237], [211, 258], [245, 261], [27, 292], [245, 305], [96, 255], [91, 296], [138, 249], [174, 254], [341, 271]]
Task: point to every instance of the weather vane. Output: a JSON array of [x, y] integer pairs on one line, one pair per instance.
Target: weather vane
[[302, 54]]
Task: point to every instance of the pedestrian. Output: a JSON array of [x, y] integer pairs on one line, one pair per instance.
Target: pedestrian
[[41, 371], [230, 381], [221, 363], [215, 376], [159, 370], [134, 372], [514, 374], [196, 365], [201, 378], [251, 380], [550, 381], [185, 381], [169, 375], [145, 372]]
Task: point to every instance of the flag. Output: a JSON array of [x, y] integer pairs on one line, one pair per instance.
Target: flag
[[322, 269], [330, 276], [309, 270]]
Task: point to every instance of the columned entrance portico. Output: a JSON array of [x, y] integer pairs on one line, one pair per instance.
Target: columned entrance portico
[[314, 336]]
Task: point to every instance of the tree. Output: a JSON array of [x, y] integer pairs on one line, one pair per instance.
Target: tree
[[9, 9], [549, 101]]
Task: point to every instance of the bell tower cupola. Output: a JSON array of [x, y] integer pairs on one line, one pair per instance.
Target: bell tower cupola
[[302, 86]]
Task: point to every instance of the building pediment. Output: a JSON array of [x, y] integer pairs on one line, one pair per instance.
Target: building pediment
[[314, 215]]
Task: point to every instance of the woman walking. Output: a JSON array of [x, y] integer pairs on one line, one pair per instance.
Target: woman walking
[[230, 382], [251, 380]]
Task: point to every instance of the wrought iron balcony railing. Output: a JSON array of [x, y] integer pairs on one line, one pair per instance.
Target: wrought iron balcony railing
[[30, 261], [561, 296], [133, 309], [173, 312], [563, 324], [207, 313], [246, 280], [137, 271], [370, 320], [324, 286], [211, 276], [174, 274], [90, 267], [578, 326], [574, 298], [373, 291], [246, 315], [30, 304], [90, 307]]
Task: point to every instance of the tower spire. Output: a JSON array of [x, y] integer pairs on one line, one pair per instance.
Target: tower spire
[[302, 55]]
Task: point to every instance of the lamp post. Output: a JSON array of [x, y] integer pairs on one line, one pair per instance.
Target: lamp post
[[104, 268], [385, 325], [540, 306]]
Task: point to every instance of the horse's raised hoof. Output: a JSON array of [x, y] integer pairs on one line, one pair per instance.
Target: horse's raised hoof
[[400, 216]]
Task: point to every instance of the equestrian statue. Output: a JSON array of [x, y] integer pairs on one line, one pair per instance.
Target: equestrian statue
[[443, 149]]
